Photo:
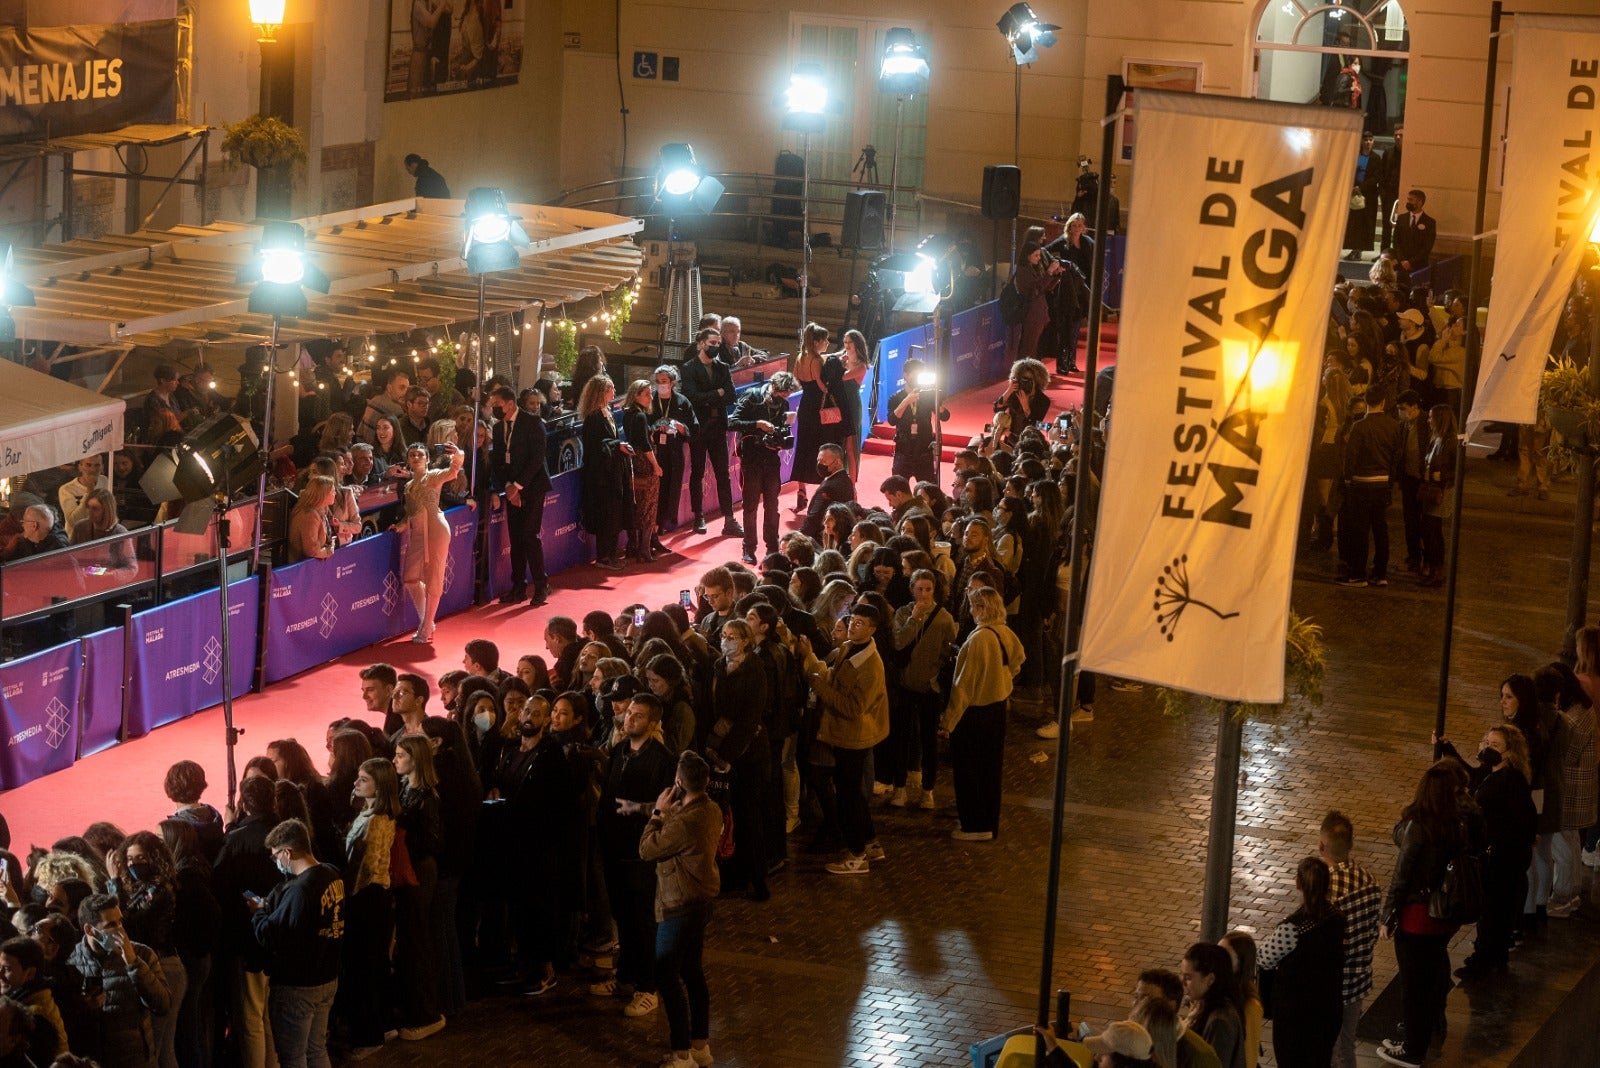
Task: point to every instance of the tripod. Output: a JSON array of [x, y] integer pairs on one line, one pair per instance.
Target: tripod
[[865, 172]]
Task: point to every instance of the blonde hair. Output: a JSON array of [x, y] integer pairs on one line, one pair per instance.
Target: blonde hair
[[593, 398], [637, 386], [987, 605], [442, 432], [317, 487], [1516, 748]]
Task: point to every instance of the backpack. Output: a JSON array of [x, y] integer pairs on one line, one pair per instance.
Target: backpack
[[1458, 898], [1012, 306]]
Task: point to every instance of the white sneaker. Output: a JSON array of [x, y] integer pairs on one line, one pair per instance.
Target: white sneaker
[[875, 851], [898, 798], [606, 988], [1591, 858], [1564, 910], [417, 1034], [972, 836], [1082, 714], [702, 1056], [852, 864], [881, 789], [1049, 731], [928, 803], [642, 1004]]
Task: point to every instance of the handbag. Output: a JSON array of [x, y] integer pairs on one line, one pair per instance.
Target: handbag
[[1358, 202], [830, 413], [1430, 494], [1458, 898]]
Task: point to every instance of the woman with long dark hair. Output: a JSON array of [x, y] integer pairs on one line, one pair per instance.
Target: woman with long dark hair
[[142, 874], [1438, 823], [808, 428], [415, 958], [668, 679], [460, 799], [738, 744], [1522, 705], [293, 763], [1212, 998], [607, 498], [351, 749], [428, 534], [646, 470], [368, 909], [854, 359], [1305, 956]]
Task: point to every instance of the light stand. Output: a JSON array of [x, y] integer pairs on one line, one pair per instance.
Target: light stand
[[1024, 35], [903, 71], [266, 438], [219, 511], [805, 105], [682, 188], [492, 238]]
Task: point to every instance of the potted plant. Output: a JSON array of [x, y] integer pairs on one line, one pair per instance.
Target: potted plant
[[272, 147], [1567, 403]]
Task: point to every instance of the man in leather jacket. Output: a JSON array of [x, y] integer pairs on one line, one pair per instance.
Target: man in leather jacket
[[759, 419]]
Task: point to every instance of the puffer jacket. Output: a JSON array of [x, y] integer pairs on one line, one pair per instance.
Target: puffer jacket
[[121, 1035]]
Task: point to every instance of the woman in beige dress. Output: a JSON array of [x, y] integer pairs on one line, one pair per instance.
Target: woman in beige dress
[[428, 547]]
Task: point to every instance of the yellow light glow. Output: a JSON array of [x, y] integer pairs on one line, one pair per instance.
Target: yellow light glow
[[1259, 379], [267, 16], [1594, 234]]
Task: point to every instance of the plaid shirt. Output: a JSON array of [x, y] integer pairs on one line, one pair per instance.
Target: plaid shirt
[[1358, 896]]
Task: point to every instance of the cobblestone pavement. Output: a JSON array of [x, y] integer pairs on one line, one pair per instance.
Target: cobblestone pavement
[[938, 946]]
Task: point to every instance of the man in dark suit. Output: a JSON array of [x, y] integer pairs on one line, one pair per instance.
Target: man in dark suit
[[1414, 231], [836, 488], [519, 465], [709, 387]]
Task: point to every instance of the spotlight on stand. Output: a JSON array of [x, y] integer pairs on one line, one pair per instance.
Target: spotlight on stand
[[493, 234], [282, 273], [903, 69], [1025, 33], [215, 457], [805, 102], [13, 294], [682, 185]]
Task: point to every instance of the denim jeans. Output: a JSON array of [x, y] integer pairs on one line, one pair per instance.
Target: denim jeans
[[680, 940], [300, 1023]]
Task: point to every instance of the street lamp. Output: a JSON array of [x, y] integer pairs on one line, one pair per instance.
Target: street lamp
[[13, 294], [805, 105], [267, 16], [1025, 35], [903, 71], [492, 240]]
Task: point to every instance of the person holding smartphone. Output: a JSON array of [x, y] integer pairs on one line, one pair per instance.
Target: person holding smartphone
[[912, 411], [123, 986]]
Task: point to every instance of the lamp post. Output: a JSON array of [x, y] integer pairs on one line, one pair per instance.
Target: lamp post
[[1025, 35], [903, 71], [805, 104], [1583, 506]]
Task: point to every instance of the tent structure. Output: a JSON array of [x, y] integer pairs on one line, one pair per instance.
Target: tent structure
[[45, 422], [394, 268]]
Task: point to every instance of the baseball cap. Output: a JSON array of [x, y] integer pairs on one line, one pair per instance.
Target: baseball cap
[[1411, 317], [1124, 1037]]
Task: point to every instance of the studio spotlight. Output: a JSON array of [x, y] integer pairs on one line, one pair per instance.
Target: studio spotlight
[[903, 70], [682, 185], [493, 234], [805, 102], [282, 272], [1025, 33]]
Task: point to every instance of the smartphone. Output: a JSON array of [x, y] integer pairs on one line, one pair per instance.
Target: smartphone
[[677, 792], [96, 569], [638, 617], [686, 598]]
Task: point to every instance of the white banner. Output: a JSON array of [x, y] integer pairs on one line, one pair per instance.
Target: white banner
[[1552, 141], [1230, 276]]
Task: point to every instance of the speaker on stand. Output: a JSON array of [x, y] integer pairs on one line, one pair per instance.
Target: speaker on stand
[[865, 211], [1002, 199]]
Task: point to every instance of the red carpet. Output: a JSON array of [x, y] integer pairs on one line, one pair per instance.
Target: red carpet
[[124, 783]]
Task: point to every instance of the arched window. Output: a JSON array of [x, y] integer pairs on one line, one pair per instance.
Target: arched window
[[1310, 52]]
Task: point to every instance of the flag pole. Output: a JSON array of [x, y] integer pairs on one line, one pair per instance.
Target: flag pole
[[1469, 377], [1080, 529]]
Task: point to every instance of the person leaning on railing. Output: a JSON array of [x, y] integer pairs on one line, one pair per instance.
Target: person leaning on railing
[[311, 534], [100, 507]]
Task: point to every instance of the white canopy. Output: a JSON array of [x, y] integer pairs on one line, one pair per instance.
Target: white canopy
[[45, 422]]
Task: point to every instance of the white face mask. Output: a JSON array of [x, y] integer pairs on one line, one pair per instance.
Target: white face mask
[[483, 721], [663, 391], [730, 647]]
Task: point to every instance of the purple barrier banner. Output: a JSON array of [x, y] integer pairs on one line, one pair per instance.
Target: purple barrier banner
[[100, 713], [889, 369], [458, 569], [977, 348], [566, 544], [177, 663], [39, 709], [322, 609], [499, 552], [709, 487]]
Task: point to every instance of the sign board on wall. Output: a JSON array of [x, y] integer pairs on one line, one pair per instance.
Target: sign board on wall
[[452, 46], [59, 81]]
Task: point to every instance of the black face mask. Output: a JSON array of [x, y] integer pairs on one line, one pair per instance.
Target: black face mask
[[824, 470], [1490, 758]]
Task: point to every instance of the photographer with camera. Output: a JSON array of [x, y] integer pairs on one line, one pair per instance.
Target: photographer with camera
[[761, 419], [709, 387], [912, 410]]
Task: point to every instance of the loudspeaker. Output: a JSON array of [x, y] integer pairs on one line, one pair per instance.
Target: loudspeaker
[[864, 211], [1002, 191]]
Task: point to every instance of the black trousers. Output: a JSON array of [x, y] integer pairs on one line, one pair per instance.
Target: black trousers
[[523, 527], [364, 967], [855, 814], [1368, 509], [1424, 984], [762, 478], [1505, 887], [1411, 515], [670, 457], [977, 756], [748, 800], [712, 445], [913, 460], [631, 886]]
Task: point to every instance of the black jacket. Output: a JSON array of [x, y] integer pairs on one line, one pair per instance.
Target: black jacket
[[244, 864], [737, 699], [632, 775], [1374, 449], [835, 489], [914, 427], [523, 462], [665, 410], [709, 387], [755, 406], [300, 925]]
